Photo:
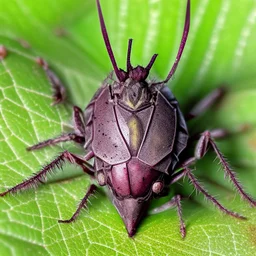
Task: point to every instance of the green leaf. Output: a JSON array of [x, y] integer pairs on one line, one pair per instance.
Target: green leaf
[[220, 50]]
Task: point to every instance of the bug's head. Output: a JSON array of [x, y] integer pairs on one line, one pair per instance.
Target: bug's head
[[139, 73], [132, 185], [135, 91]]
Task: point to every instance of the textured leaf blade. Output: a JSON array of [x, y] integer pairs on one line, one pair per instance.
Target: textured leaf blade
[[220, 49]]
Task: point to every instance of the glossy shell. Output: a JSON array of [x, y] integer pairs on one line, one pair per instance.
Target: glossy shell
[[155, 134]]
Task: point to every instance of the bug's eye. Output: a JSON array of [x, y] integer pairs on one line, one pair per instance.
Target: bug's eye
[[101, 178], [157, 187]]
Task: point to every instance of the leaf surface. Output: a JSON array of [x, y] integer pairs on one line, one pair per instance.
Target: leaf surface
[[220, 50]]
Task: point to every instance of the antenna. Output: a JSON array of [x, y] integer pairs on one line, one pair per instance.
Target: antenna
[[182, 45], [150, 64], [107, 43], [129, 66]]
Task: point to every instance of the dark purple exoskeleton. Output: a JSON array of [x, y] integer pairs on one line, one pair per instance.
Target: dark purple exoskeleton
[[135, 131]]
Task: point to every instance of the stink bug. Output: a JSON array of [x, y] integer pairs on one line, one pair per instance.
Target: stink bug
[[135, 132]]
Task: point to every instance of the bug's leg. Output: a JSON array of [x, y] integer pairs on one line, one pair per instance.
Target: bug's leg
[[83, 204], [62, 138], [186, 171], [174, 202], [59, 94], [77, 136], [177, 175], [209, 197], [177, 199], [78, 120], [58, 162], [205, 103], [222, 133], [204, 142]]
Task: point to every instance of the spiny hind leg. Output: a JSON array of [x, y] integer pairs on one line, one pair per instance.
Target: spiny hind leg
[[58, 162], [207, 140], [174, 202], [83, 204]]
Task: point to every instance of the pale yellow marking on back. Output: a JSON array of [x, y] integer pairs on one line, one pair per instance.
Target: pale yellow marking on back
[[135, 132]]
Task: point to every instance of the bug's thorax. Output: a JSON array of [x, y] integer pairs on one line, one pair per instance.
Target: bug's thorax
[[134, 94], [133, 91]]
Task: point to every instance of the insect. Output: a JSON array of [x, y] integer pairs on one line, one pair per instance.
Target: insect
[[135, 132]]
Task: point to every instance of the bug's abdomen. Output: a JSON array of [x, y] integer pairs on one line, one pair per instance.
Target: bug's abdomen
[[132, 179]]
